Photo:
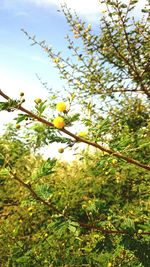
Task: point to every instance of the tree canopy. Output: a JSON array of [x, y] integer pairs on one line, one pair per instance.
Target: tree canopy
[[93, 211]]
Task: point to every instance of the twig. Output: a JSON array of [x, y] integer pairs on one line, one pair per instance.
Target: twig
[[66, 216], [79, 139], [34, 194]]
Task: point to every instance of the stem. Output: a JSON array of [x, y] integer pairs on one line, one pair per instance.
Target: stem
[[83, 225], [79, 139], [34, 194], [132, 69]]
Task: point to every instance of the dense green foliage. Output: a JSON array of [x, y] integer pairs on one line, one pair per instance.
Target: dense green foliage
[[93, 211], [97, 191]]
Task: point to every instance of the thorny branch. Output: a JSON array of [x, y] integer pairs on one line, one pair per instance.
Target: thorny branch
[[79, 139], [66, 216]]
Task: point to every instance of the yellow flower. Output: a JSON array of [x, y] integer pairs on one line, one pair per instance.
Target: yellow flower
[[82, 134], [56, 60], [114, 161], [59, 122], [77, 82], [75, 32], [61, 106], [89, 26], [38, 100], [79, 26], [88, 37]]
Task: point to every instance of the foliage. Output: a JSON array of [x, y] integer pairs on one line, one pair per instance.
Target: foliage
[[94, 191], [93, 211]]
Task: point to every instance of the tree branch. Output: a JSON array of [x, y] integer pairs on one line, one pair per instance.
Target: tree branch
[[66, 216], [34, 194], [79, 139], [132, 69]]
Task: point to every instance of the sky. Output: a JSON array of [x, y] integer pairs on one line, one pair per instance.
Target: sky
[[19, 61]]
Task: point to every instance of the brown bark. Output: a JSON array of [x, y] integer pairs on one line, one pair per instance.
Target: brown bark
[[79, 139]]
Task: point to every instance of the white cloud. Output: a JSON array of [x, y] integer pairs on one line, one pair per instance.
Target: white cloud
[[90, 9], [83, 7]]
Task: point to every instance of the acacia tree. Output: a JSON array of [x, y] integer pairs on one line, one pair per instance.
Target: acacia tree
[[105, 69], [107, 78]]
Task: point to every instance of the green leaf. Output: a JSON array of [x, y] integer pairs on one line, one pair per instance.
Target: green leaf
[[4, 105], [47, 167], [21, 117]]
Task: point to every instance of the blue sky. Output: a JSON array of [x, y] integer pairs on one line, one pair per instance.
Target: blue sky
[[36, 17], [19, 62], [18, 58]]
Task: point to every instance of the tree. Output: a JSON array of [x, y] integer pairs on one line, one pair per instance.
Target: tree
[[104, 76], [108, 80]]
